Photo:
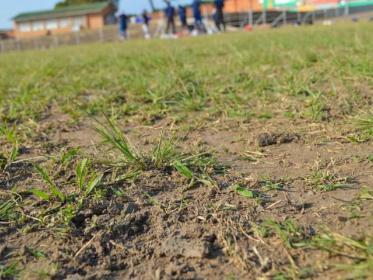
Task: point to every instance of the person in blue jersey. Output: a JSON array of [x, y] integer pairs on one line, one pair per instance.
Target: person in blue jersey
[[182, 16], [145, 24], [170, 18], [219, 15], [197, 14], [123, 25]]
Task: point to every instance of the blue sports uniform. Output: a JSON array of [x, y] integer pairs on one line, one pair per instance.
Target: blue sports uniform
[[123, 25], [219, 15], [196, 7], [182, 15], [170, 15]]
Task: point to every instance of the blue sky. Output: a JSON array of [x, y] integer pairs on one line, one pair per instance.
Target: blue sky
[[9, 8]]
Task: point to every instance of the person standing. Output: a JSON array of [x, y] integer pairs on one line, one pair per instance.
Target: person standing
[[123, 25], [170, 17], [219, 15], [145, 24], [183, 17], [197, 14]]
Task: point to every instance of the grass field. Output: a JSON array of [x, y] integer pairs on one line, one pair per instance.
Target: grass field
[[235, 156]]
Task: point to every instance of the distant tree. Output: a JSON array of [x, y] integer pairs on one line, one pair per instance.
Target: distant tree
[[66, 3]]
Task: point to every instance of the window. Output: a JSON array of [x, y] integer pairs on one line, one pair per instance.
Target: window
[[64, 23], [25, 27], [37, 26], [51, 24], [78, 23]]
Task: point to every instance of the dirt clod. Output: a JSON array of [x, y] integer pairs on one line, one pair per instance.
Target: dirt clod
[[178, 246], [267, 139]]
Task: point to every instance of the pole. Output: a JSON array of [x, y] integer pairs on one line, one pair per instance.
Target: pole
[[264, 7], [56, 41], [35, 43], [101, 34], [77, 37], [347, 8], [251, 13], [298, 17]]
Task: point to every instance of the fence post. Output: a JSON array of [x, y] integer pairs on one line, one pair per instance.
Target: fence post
[[2, 46], [347, 8], [284, 19], [101, 34], [56, 42], [251, 17], [35, 43], [77, 38], [18, 44], [265, 16]]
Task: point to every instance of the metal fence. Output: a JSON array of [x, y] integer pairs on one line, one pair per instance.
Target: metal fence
[[108, 34], [278, 18], [237, 20]]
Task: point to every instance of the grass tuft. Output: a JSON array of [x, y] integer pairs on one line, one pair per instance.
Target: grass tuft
[[54, 191], [112, 136], [360, 252]]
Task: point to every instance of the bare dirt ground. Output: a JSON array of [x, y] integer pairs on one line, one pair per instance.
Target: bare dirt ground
[[159, 229]]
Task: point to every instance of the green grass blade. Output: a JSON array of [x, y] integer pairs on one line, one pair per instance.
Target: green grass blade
[[13, 153], [81, 173], [53, 188], [114, 137], [243, 191], [40, 194], [93, 184], [183, 169], [6, 208]]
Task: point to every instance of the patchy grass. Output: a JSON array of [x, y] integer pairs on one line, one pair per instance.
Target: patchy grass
[[358, 251], [141, 160], [324, 178]]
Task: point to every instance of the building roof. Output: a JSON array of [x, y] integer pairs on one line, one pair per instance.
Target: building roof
[[75, 10]]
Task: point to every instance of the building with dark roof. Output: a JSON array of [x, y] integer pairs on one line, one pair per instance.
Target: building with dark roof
[[6, 34], [64, 20]]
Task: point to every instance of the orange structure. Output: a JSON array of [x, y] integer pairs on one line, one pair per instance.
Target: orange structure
[[64, 20], [233, 6], [239, 6]]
